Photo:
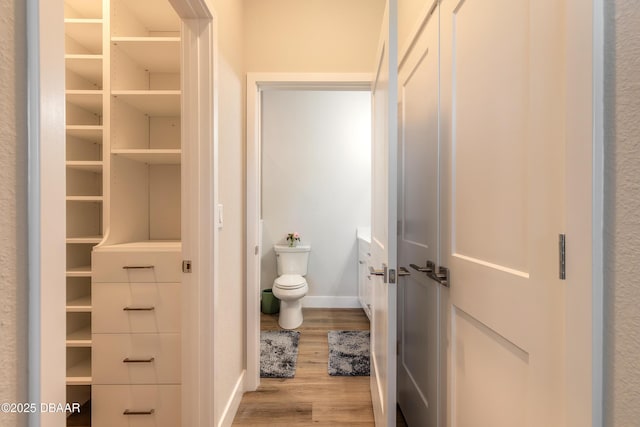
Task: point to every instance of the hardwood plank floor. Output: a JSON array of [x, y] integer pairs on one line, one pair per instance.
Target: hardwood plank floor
[[312, 397]]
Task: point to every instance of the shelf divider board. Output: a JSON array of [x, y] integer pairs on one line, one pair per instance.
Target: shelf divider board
[[84, 198], [91, 133], [88, 165], [151, 156], [159, 103], [84, 239], [80, 338], [83, 271], [80, 305], [80, 373]]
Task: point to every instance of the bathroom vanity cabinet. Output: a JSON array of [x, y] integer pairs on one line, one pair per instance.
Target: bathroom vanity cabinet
[[363, 236], [123, 155]]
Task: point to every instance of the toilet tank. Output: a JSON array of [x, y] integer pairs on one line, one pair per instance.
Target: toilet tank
[[292, 260]]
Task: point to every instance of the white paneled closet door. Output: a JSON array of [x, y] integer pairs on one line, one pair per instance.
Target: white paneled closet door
[[384, 222], [421, 367], [502, 123]]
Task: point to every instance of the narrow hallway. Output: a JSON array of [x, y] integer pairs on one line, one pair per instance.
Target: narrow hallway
[[312, 397]]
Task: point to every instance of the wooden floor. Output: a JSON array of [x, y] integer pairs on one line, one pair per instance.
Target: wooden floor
[[312, 397]]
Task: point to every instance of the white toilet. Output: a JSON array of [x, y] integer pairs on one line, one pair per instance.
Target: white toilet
[[291, 286]]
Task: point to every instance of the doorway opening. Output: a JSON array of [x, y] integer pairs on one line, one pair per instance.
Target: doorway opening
[[267, 170]]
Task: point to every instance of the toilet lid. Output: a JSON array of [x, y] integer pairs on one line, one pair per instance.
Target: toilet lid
[[290, 281]]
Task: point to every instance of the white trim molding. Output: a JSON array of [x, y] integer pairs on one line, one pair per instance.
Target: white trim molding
[[46, 208], [199, 196]]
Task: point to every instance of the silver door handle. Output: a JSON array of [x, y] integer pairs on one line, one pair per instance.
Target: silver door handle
[[427, 269], [383, 273], [374, 272], [403, 272], [441, 275], [136, 267], [150, 308]]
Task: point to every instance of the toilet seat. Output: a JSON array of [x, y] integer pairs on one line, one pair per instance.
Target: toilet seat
[[290, 281]]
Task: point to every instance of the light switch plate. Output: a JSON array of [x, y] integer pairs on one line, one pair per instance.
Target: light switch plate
[[220, 218]]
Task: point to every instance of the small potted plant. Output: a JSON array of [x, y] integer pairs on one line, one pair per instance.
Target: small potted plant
[[292, 238]]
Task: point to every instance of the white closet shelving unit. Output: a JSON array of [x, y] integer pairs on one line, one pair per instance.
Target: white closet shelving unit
[[85, 29], [123, 155], [137, 266]]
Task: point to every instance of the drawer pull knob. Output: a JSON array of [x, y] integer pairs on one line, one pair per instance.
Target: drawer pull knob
[[137, 267], [130, 412], [150, 308], [129, 360]]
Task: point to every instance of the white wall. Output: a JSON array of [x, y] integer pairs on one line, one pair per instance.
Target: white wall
[[316, 180], [312, 35], [622, 213], [229, 313], [409, 13], [13, 208]]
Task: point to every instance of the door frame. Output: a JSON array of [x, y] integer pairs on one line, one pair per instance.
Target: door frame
[[256, 84], [46, 207], [584, 161]]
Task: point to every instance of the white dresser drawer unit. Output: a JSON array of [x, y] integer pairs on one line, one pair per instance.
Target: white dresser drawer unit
[[136, 359], [136, 406], [135, 308], [132, 265]]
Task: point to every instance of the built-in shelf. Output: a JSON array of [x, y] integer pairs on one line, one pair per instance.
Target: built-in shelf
[[91, 133], [151, 156], [89, 67], [158, 103], [144, 245], [83, 271], [80, 338], [84, 198], [85, 32], [85, 165], [80, 374], [80, 305], [90, 100], [157, 54], [84, 239]]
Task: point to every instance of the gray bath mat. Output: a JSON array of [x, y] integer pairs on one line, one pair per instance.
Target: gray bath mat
[[278, 353], [348, 353]]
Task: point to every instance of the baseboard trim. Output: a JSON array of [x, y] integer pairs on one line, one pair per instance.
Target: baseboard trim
[[330, 302], [230, 410]]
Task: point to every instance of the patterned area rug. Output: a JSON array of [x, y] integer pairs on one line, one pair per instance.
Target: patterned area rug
[[278, 353], [348, 353]]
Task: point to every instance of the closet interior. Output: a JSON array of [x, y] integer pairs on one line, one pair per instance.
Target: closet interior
[[123, 153]]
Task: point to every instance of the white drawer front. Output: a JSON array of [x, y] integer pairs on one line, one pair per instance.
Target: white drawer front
[[137, 266], [135, 308], [109, 403], [151, 359]]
